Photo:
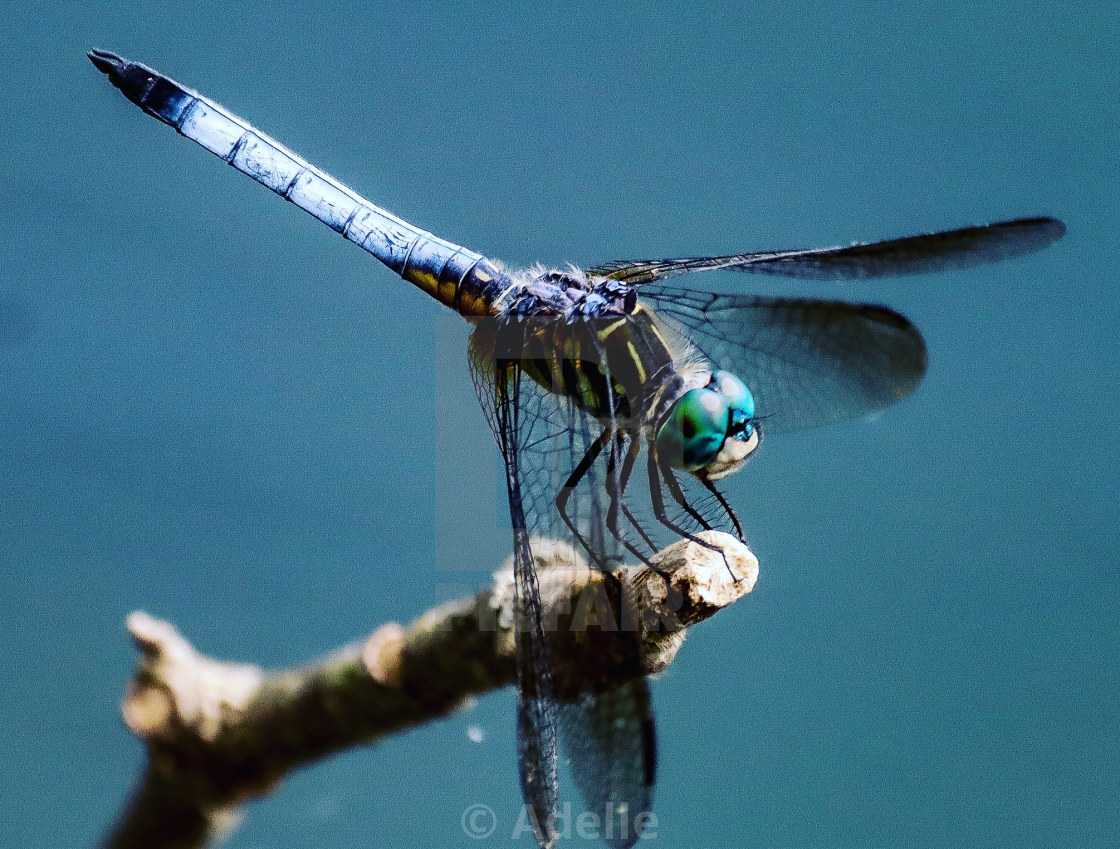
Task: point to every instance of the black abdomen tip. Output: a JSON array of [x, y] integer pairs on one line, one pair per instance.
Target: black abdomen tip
[[156, 94], [107, 63], [131, 78]]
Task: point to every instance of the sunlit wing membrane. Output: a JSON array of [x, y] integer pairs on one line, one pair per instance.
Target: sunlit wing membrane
[[945, 251]]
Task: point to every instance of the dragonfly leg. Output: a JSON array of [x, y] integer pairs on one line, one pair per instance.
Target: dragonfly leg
[[711, 487], [627, 468], [577, 475], [674, 487], [655, 476], [616, 489], [622, 427], [628, 513]]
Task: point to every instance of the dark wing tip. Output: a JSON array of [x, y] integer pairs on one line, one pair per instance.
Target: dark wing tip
[[1043, 231], [910, 357], [884, 315], [1053, 228]]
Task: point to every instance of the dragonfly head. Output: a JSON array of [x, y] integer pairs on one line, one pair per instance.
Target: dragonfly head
[[710, 429]]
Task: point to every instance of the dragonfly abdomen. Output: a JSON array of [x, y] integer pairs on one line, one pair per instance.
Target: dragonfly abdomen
[[455, 276]]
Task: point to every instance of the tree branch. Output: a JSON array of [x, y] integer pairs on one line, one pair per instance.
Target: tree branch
[[219, 734]]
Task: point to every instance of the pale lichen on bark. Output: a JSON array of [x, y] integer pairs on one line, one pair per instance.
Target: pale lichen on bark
[[219, 734]]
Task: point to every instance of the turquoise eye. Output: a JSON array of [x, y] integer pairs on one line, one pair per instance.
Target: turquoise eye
[[695, 429], [739, 399], [710, 428]]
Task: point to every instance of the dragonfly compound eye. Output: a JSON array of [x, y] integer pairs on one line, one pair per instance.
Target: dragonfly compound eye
[[739, 398], [742, 431], [695, 429], [711, 428]]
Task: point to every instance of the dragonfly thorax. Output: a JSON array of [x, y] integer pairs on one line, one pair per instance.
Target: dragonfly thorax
[[710, 429], [590, 342]]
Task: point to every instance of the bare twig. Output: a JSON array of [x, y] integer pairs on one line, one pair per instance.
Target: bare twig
[[219, 734]]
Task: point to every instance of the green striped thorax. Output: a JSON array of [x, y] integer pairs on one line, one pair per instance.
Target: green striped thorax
[[710, 429]]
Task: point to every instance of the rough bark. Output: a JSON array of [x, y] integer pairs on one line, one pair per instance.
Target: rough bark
[[219, 734]]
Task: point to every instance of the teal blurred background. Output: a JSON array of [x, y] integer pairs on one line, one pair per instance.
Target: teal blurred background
[[216, 411]]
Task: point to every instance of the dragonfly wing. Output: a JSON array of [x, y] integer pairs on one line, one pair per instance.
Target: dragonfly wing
[[542, 437], [536, 746], [610, 739], [807, 362], [944, 251], [536, 718]]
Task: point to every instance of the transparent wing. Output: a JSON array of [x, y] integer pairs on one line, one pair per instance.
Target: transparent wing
[[543, 436], [610, 739], [807, 362], [499, 390], [944, 251]]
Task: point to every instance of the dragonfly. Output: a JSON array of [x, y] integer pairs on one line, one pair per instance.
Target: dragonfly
[[618, 402]]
